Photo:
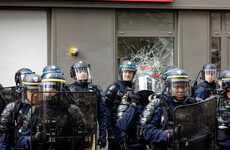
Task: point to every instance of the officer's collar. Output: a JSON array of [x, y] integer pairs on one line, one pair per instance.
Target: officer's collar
[[126, 83], [176, 102], [211, 84], [84, 84]]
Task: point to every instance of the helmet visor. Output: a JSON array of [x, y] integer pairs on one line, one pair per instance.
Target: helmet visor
[[210, 75], [82, 74], [50, 89], [145, 83], [178, 88], [51, 86], [22, 76]]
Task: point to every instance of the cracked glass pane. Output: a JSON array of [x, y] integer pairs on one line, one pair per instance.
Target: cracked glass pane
[[150, 54]]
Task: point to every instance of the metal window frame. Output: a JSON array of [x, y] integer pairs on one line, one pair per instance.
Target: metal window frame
[[144, 33]]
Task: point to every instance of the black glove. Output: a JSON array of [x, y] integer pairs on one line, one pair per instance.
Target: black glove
[[111, 136], [135, 98], [101, 141]]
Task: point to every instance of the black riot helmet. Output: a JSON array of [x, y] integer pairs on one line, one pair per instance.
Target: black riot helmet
[[81, 72], [168, 70], [221, 75], [51, 69], [126, 65], [226, 80], [209, 72], [52, 83], [144, 82], [20, 74], [30, 82], [178, 84]]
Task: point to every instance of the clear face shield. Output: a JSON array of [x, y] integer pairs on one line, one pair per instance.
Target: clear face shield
[[83, 74], [126, 74], [209, 75], [145, 83], [50, 89], [30, 96], [178, 88]]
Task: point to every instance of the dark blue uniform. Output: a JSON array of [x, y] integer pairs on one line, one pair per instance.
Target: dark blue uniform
[[205, 90], [124, 86], [102, 110], [12, 138], [129, 125], [155, 131]]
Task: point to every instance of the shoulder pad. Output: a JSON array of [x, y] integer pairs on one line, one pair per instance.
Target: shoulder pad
[[149, 110], [10, 106], [112, 90], [114, 86], [6, 117], [153, 96]]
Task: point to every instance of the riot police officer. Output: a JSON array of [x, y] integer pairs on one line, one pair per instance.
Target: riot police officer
[[168, 70], [207, 87], [59, 117], [80, 71], [130, 109], [158, 114], [51, 69], [11, 94], [113, 95], [15, 123], [223, 112]]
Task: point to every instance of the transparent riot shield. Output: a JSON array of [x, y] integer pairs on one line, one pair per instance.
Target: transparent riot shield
[[65, 121], [10, 94], [195, 126]]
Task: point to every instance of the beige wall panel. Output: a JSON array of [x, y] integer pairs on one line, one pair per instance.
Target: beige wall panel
[[92, 30], [193, 41]]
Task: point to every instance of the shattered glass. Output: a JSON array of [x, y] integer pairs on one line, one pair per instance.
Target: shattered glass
[[150, 54]]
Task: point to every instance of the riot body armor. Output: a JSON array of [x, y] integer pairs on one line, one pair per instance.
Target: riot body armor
[[223, 118], [60, 123], [160, 101], [210, 89], [114, 95], [20, 117]]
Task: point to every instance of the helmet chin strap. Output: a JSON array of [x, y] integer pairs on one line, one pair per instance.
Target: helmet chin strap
[[174, 99]]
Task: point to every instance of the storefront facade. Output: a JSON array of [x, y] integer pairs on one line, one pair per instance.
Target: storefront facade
[[184, 33]]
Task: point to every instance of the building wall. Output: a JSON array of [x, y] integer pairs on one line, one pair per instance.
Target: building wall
[[91, 26], [193, 42], [93, 32]]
